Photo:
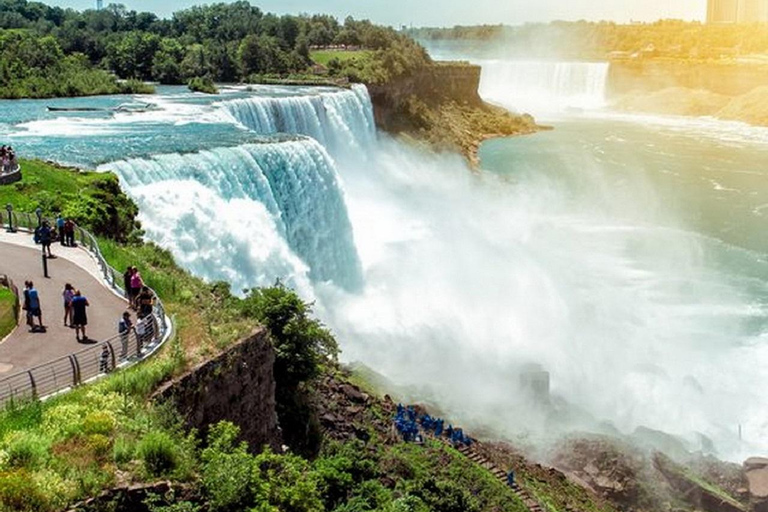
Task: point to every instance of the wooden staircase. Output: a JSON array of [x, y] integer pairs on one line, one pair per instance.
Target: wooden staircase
[[524, 495]]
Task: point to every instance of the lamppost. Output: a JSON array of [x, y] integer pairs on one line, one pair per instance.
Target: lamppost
[[9, 209], [39, 212]]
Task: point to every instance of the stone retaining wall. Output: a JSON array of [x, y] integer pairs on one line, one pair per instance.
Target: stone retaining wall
[[238, 386]]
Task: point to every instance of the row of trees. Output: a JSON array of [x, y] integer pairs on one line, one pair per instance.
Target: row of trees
[[589, 40], [225, 42]]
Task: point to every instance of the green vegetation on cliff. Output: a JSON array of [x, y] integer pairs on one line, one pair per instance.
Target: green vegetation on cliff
[[93, 200]]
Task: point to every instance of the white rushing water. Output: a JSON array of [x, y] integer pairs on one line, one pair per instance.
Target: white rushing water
[[339, 121], [544, 87], [295, 182], [452, 282]]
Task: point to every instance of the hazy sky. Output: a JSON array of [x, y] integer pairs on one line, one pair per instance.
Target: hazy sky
[[450, 12]]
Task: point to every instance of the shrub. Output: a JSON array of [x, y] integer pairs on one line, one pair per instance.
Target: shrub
[[123, 450], [99, 423], [229, 476], [159, 453], [202, 84], [18, 491], [99, 444], [26, 450]]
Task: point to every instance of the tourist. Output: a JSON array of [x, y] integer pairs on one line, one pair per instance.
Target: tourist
[[60, 228], [127, 282], [32, 307], [45, 236], [124, 328], [145, 302], [136, 284], [69, 233], [79, 315], [67, 295], [141, 334]]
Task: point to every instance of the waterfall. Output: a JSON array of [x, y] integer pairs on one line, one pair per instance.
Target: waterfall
[[539, 86], [296, 182], [336, 119]]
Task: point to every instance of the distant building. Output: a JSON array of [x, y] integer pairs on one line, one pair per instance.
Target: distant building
[[99, 5], [753, 11], [737, 11]]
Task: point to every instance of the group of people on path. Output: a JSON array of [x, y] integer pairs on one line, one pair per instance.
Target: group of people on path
[[8, 161], [63, 231], [409, 423], [140, 296], [75, 306]]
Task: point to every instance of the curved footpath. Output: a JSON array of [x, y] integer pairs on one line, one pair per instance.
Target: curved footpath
[[21, 260]]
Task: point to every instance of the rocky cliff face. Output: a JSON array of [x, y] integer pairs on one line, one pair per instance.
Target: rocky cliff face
[[440, 105], [435, 85], [237, 385]]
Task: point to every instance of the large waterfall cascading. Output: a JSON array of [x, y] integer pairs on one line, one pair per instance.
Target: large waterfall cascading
[[541, 86], [337, 119], [297, 183]]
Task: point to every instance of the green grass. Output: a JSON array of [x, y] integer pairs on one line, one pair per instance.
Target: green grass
[[323, 57], [7, 313], [42, 182]]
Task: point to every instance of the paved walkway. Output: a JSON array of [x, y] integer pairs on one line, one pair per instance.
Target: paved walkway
[[21, 259]]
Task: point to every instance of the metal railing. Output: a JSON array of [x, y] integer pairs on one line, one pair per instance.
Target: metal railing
[[121, 350]]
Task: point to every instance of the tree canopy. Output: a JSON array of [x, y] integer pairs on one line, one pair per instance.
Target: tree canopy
[[226, 42]]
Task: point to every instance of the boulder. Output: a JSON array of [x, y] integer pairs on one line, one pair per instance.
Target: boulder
[[756, 471]]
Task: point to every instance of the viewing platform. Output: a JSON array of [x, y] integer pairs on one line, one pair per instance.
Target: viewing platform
[[22, 260], [40, 364], [10, 176]]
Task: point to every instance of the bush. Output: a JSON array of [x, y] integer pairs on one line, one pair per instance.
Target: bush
[[99, 423], [123, 450], [18, 491], [159, 453], [202, 84], [26, 450], [228, 470], [302, 343]]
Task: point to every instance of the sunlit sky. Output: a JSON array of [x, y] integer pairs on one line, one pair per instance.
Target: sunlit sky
[[450, 12]]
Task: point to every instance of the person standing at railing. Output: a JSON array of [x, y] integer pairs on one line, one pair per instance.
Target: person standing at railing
[[60, 228], [46, 237], [124, 328], [146, 302], [68, 294], [79, 315], [69, 233], [127, 282], [137, 283]]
